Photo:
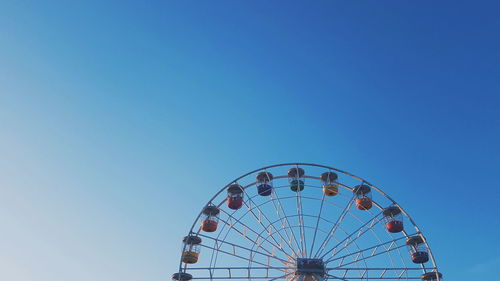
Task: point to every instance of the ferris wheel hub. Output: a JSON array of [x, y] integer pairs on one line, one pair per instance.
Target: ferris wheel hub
[[306, 266]]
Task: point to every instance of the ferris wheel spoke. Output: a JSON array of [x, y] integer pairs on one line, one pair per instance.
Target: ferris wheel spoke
[[239, 277], [301, 223], [229, 268], [269, 278], [233, 254], [323, 231], [355, 243], [259, 235], [335, 277], [282, 276], [239, 272], [385, 251], [396, 273], [284, 228], [391, 236], [265, 229], [259, 220], [375, 268], [215, 254], [317, 223], [373, 249], [285, 222], [334, 227], [369, 278], [246, 277], [385, 247], [336, 239], [331, 222], [270, 255], [360, 231]]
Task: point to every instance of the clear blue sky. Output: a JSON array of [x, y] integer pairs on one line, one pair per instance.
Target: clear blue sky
[[118, 121]]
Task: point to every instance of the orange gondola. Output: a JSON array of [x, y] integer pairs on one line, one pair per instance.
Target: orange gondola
[[363, 197], [210, 218]]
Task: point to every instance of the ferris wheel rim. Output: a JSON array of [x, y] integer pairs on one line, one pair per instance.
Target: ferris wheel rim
[[224, 188]]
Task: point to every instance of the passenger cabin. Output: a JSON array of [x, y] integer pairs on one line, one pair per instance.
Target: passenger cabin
[[393, 219], [418, 250], [330, 185], [432, 276], [296, 179], [182, 276], [363, 197], [234, 196], [191, 249], [264, 183], [210, 218]]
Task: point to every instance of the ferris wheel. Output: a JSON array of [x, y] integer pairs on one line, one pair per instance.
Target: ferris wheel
[[304, 222]]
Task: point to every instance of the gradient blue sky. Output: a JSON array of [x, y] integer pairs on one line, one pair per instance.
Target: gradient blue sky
[[116, 117]]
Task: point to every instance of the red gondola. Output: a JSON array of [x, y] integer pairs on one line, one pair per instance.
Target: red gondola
[[417, 249], [394, 219], [234, 196]]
